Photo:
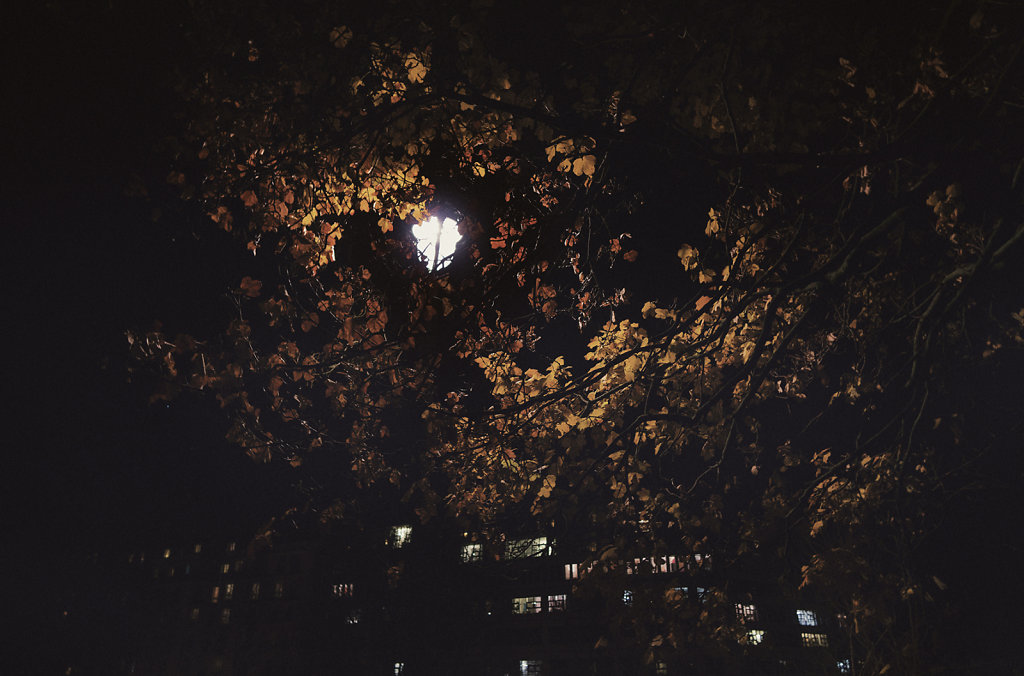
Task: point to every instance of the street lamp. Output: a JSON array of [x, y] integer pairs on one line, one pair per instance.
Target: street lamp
[[436, 241]]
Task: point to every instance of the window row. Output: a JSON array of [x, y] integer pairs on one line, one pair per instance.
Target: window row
[[167, 552], [227, 592], [747, 613], [529, 605], [514, 549], [225, 615], [400, 536], [652, 565], [187, 569], [808, 640]]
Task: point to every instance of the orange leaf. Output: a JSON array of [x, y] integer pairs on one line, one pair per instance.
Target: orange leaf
[[250, 287]]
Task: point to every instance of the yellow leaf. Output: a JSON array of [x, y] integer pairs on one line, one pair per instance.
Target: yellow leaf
[[631, 366], [417, 70], [584, 166], [713, 225], [688, 256]]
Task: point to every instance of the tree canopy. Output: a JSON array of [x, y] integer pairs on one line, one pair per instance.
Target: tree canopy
[[734, 279]]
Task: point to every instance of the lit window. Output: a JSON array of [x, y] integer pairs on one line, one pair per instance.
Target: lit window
[[807, 618], [746, 612], [627, 597], [668, 564], [167, 553], [472, 552], [226, 568], [701, 593], [436, 240], [399, 536], [814, 640], [215, 595], [342, 590], [522, 549], [195, 614], [529, 667], [843, 666], [755, 636], [556, 603], [572, 571], [225, 616], [229, 591], [278, 590], [661, 668], [399, 668], [170, 573], [254, 591], [197, 548], [231, 546], [353, 617], [527, 605]]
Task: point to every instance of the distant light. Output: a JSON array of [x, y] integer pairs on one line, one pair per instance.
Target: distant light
[[436, 241]]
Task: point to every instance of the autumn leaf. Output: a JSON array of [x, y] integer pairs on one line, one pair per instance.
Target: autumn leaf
[[688, 256], [584, 166], [250, 287], [417, 69]]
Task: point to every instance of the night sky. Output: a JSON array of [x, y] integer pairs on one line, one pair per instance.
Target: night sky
[[90, 465]]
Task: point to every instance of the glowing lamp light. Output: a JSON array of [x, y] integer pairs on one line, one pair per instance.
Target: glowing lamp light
[[436, 240]]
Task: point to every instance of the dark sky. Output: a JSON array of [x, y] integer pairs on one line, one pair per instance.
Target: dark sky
[[86, 99]]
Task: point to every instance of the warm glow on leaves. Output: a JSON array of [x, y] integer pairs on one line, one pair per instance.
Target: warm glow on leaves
[[828, 286]]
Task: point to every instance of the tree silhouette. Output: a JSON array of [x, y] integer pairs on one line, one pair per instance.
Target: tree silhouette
[[733, 281]]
